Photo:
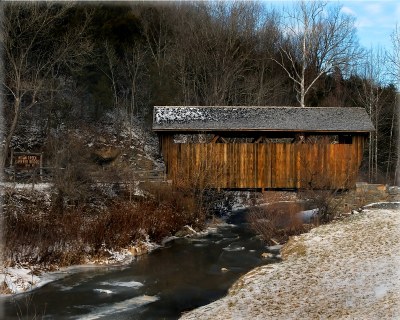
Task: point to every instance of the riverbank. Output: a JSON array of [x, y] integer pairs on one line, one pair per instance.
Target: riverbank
[[346, 269], [24, 278], [38, 239], [183, 274]]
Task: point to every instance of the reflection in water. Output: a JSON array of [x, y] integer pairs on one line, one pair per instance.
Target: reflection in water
[[185, 274]]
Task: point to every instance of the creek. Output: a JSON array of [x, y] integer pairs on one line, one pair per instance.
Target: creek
[[184, 274]]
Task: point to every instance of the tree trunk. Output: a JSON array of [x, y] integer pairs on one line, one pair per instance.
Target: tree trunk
[[7, 143]]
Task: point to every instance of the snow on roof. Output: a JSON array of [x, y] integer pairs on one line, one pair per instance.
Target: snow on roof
[[196, 118]]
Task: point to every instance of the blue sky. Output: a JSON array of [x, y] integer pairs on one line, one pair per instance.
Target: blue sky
[[375, 20]]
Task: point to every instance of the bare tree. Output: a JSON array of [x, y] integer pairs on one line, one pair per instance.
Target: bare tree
[[394, 58], [269, 80], [156, 22], [156, 31], [33, 52], [134, 58], [214, 55], [112, 62], [316, 39], [371, 96]]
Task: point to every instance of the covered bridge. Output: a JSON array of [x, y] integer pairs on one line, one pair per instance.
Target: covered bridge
[[262, 147]]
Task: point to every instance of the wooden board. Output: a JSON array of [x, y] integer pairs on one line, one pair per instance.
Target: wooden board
[[265, 165]]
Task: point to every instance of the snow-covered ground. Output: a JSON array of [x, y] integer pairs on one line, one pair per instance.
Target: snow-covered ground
[[40, 186], [22, 279], [348, 269]]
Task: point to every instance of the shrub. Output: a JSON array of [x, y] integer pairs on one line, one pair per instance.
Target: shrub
[[169, 209], [35, 234], [276, 222], [328, 203]]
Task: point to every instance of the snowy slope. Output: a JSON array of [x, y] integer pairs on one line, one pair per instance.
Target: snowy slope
[[345, 270]]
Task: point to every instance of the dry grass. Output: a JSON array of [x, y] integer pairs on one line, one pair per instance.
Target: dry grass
[[276, 222], [35, 233], [4, 289], [90, 212], [293, 248], [345, 270]]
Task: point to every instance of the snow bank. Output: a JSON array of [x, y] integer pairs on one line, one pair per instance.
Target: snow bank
[[22, 279]]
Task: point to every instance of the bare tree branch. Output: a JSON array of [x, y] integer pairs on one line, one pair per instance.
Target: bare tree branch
[[33, 52], [316, 39]]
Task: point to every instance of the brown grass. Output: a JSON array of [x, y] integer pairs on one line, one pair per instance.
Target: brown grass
[[279, 220], [35, 233], [276, 222], [4, 289], [293, 247]]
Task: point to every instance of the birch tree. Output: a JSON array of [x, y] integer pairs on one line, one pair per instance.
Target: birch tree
[[316, 39]]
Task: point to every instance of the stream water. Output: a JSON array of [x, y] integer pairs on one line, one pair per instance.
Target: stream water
[[185, 274]]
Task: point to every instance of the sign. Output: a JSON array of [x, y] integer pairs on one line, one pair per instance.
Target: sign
[[27, 161]]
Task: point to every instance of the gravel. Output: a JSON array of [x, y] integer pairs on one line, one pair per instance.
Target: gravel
[[344, 270]]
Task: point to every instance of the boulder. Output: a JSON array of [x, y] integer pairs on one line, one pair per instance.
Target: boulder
[[104, 155], [266, 255]]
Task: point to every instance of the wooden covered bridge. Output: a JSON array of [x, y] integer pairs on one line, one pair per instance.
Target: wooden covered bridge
[[262, 147]]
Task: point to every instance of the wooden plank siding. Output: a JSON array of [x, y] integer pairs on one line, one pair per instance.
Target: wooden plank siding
[[264, 165]]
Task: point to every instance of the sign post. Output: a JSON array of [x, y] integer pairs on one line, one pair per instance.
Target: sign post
[[27, 162]]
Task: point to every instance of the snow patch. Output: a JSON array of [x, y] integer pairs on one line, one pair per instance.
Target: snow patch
[[382, 205], [173, 114], [21, 279], [41, 186], [307, 215], [380, 291]]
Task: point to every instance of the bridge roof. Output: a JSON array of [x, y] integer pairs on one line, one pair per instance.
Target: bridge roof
[[240, 118]]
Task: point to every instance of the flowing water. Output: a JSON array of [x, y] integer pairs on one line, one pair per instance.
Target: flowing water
[[185, 274]]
